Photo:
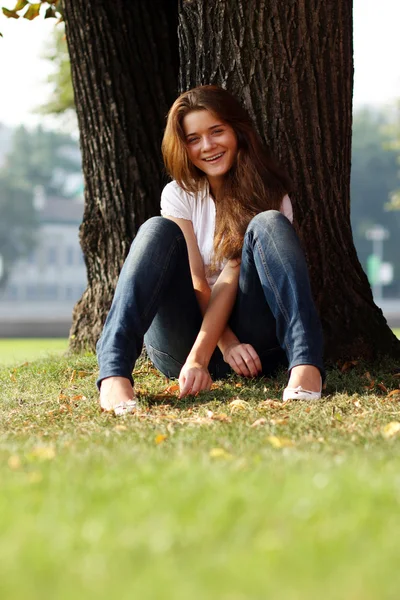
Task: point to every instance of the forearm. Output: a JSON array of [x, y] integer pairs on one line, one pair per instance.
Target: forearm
[[214, 325], [203, 295]]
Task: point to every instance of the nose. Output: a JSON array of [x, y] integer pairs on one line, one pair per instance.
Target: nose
[[208, 143]]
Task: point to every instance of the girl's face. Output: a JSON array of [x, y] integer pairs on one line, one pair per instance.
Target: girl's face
[[211, 144]]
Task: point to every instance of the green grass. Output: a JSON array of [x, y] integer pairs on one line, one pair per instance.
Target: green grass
[[17, 350], [186, 500], [397, 332]]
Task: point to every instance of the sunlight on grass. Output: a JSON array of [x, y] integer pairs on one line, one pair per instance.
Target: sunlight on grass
[[397, 332], [16, 351], [232, 495]]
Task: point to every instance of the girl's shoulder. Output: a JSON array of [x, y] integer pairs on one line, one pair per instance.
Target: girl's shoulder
[[177, 202]]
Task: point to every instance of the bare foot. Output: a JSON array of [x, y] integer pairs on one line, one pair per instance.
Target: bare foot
[[116, 392], [307, 376]]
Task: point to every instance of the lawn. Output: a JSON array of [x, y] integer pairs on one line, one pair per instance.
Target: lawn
[[13, 351], [229, 496]]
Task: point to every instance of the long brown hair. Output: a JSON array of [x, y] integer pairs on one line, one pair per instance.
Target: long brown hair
[[254, 183]]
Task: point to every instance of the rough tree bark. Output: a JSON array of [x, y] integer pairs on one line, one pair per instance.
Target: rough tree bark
[[291, 63], [124, 59]]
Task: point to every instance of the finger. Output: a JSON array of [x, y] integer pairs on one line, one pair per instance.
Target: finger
[[200, 383], [249, 362], [186, 385], [241, 367], [255, 357]]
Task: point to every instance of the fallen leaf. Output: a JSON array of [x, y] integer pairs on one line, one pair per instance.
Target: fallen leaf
[[35, 477], [63, 397], [348, 365], [391, 429], [394, 393], [357, 403], [120, 428], [78, 397], [258, 422], [370, 386], [220, 453], [382, 387], [160, 438], [282, 421], [43, 452], [222, 417], [278, 442], [271, 404], [12, 377], [14, 462], [239, 385], [172, 389], [73, 375], [237, 404], [215, 386], [82, 374]]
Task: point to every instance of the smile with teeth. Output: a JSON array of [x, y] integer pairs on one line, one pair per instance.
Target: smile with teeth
[[214, 158]]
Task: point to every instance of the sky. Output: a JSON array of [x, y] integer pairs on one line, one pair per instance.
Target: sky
[[23, 72]]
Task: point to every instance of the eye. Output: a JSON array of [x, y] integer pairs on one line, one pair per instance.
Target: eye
[[218, 131], [192, 140]]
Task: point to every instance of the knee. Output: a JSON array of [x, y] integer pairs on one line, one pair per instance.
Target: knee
[[155, 239], [268, 219], [157, 230], [158, 226]]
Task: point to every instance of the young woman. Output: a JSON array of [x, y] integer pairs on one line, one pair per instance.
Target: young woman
[[219, 282]]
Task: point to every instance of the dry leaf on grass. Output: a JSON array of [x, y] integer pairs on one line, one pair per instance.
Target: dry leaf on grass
[[160, 438], [282, 421], [391, 429], [220, 453], [14, 462], [272, 404], [237, 404], [78, 397], [120, 428], [43, 452], [261, 421], [370, 386], [279, 442], [382, 387], [349, 364], [394, 393]]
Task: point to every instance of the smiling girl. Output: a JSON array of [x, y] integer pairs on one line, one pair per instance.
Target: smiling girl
[[219, 282]]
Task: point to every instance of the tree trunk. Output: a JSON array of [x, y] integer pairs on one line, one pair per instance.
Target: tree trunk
[[291, 63], [124, 59]]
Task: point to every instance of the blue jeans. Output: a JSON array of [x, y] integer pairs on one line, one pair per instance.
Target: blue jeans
[[155, 301]]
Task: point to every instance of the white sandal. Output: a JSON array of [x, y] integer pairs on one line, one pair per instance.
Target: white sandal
[[125, 408], [300, 393]]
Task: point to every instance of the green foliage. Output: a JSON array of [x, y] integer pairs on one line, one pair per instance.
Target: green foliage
[[18, 224], [61, 100], [187, 499], [374, 176], [31, 10], [38, 159], [42, 158]]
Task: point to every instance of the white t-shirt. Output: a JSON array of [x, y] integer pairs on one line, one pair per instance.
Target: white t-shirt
[[200, 209]]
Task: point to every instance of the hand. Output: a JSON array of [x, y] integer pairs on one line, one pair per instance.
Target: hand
[[243, 359], [193, 378]]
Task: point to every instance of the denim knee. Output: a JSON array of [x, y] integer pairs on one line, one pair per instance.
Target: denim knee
[[158, 226], [268, 218], [154, 240]]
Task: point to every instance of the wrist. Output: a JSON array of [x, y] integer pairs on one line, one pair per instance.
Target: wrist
[[227, 339]]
